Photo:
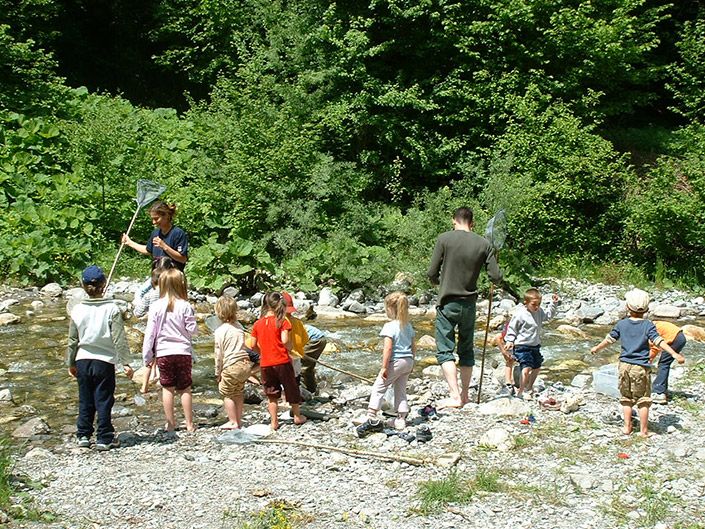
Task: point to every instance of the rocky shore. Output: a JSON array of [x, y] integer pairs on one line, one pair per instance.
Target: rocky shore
[[502, 463]]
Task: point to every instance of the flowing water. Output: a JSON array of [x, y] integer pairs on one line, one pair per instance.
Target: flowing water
[[33, 352]]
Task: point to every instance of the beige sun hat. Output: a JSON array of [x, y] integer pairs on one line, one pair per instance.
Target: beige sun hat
[[637, 300]]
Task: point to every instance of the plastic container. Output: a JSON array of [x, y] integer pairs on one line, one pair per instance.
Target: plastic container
[[604, 381]]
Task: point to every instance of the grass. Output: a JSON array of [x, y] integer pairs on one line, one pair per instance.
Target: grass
[[276, 515], [19, 504], [437, 494], [694, 408]]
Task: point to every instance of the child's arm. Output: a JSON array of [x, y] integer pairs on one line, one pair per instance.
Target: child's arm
[[285, 339], [190, 320], [511, 335], [148, 342], [677, 356], [386, 356], [600, 346], [117, 333], [72, 348], [218, 357], [141, 248]]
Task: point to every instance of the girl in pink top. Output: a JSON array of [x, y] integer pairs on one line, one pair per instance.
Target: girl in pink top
[[170, 327]]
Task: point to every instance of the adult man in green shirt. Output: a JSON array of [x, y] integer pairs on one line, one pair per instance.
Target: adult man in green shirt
[[458, 258]]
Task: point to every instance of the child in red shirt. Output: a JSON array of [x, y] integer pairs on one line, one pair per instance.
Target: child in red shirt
[[270, 336]]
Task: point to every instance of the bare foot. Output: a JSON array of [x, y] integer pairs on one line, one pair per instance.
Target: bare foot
[[627, 431], [450, 403], [169, 427], [192, 428], [274, 425], [646, 435], [299, 419]]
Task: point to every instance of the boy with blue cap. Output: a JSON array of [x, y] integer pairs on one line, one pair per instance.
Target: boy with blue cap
[[96, 345]]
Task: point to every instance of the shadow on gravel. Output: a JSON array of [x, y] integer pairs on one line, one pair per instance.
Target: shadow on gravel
[[159, 437]]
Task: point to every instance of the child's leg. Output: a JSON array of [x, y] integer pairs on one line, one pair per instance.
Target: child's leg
[[532, 378], [273, 409], [239, 403], [296, 412], [379, 388], [104, 399], [230, 410], [627, 412], [643, 421], [402, 369], [86, 399], [187, 405], [168, 404], [524, 382]]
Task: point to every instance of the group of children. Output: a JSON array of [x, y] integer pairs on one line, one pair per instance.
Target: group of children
[[280, 343]]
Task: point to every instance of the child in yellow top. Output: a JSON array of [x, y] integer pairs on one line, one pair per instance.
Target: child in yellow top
[[298, 336]]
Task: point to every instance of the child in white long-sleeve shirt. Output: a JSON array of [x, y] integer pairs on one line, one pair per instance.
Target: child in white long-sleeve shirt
[[524, 338]]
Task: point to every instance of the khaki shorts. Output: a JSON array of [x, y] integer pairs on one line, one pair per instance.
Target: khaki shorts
[[634, 385], [233, 378]]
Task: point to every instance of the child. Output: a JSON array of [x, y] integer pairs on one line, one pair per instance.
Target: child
[[523, 337], [270, 337], [634, 333], [312, 352], [298, 336], [676, 339], [149, 293], [397, 363], [508, 360], [232, 364], [97, 344], [170, 327]]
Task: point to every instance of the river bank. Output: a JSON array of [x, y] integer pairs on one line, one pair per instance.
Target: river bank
[[509, 463]]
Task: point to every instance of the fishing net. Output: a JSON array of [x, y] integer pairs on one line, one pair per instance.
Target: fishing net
[[496, 231], [148, 191]]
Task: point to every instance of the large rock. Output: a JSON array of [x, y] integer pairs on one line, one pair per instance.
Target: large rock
[[666, 311], [572, 332], [433, 372], [589, 313], [32, 427], [52, 290], [497, 322], [426, 342], [355, 307], [694, 332], [498, 438], [327, 298], [7, 318], [581, 381], [5, 395], [504, 407]]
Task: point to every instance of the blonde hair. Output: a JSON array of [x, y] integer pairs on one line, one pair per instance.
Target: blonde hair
[[226, 309], [531, 293], [274, 302], [396, 305], [172, 285]]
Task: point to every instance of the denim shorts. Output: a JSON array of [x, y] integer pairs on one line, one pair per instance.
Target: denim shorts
[[528, 356]]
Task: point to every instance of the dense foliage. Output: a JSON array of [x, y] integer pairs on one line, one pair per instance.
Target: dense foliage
[[325, 142]]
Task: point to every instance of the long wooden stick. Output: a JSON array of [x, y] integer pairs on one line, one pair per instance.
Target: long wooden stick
[[361, 453], [122, 245], [484, 345], [342, 371]]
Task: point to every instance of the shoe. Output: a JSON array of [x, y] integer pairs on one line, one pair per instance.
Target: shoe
[[423, 434], [368, 427], [391, 432], [104, 447], [659, 398], [509, 389], [83, 442], [428, 412]]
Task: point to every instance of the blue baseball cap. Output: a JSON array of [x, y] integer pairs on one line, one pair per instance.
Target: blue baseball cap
[[93, 274]]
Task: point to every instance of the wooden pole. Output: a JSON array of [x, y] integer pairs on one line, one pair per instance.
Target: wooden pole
[[122, 244], [484, 345]]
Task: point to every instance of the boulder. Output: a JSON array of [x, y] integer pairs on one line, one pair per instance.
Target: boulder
[[498, 438], [426, 342], [52, 290], [36, 304], [581, 381], [417, 311], [7, 318], [355, 307], [589, 313], [666, 311], [433, 372], [231, 291], [505, 407], [572, 332], [327, 298], [5, 395], [694, 332], [497, 322], [426, 361], [35, 426]]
